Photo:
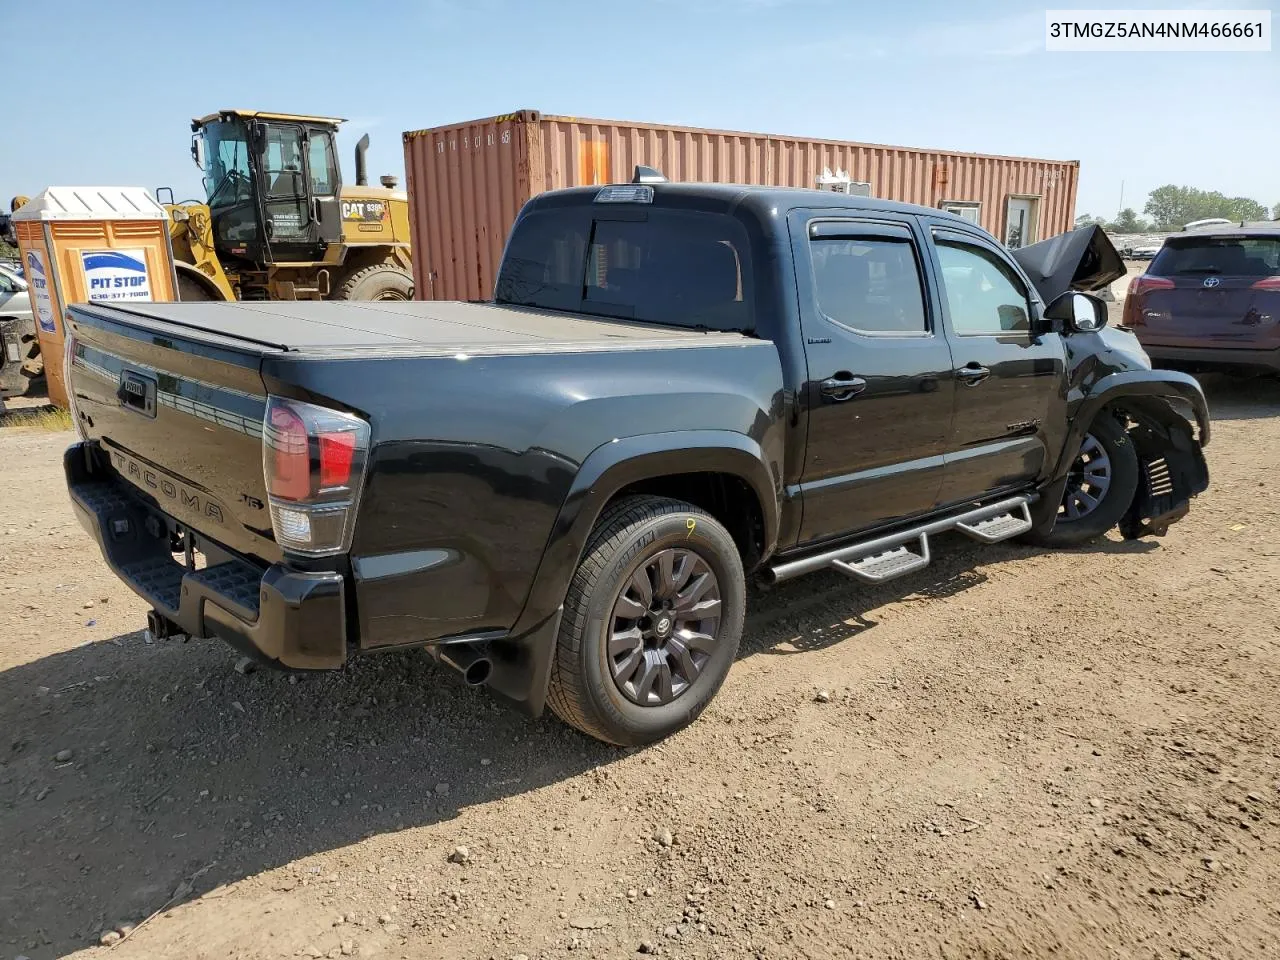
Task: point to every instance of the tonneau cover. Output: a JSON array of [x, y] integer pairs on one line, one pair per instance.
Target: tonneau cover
[[431, 327]]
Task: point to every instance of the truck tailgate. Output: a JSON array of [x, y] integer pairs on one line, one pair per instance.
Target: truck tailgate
[[179, 412]]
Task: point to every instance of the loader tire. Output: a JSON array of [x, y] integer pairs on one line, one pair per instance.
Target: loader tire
[[382, 281], [191, 290]]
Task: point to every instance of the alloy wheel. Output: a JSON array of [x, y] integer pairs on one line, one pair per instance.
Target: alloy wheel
[[1087, 482], [664, 627]]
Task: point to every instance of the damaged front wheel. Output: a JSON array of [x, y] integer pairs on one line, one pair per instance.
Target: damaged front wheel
[[1100, 486]]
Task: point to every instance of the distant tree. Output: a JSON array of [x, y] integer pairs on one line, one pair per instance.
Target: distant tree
[[1088, 220], [1275, 212], [1172, 206], [1168, 206], [1242, 208], [1127, 221]]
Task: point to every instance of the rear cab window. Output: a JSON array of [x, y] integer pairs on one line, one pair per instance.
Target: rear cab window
[[1241, 256], [669, 267], [867, 278]]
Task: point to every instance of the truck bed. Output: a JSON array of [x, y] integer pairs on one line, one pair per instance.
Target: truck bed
[[413, 328]]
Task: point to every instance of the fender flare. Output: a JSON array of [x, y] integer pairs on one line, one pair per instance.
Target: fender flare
[[187, 270], [622, 462], [1137, 383]]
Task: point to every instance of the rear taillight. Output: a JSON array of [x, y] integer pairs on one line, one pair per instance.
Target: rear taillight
[[1145, 284], [288, 455], [314, 460], [1270, 283]]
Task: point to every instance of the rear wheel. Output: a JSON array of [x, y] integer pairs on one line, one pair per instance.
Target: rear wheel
[[1100, 485], [651, 622], [382, 281]]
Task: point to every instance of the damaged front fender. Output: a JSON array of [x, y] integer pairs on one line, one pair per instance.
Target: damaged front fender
[[1170, 458], [1172, 464]]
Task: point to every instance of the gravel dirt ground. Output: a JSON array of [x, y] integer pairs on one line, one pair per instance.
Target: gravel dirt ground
[[1017, 753]]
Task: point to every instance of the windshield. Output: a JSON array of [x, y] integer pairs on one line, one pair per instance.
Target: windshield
[[226, 176], [673, 268], [1227, 256]]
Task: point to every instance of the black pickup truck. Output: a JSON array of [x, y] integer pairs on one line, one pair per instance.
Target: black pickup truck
[[562, 493]]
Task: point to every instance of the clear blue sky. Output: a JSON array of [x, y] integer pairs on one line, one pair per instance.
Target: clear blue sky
[[103, 93]]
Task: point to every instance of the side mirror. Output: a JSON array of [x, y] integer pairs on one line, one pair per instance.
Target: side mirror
[[197, 150], [1078, 312]]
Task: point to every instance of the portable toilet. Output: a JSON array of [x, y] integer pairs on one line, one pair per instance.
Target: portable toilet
[[84, 244]]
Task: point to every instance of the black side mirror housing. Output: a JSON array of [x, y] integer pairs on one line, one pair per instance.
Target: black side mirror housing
[[1077, 312]]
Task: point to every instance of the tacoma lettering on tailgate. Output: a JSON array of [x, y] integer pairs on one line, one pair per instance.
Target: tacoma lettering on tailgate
[[148, 478]]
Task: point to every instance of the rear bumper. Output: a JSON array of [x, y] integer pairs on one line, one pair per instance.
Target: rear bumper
[[292, 618], [1268, 359]]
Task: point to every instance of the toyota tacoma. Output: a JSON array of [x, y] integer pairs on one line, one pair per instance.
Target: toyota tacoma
[[563, 493]]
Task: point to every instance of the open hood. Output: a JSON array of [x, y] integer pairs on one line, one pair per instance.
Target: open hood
[[1082, 259]]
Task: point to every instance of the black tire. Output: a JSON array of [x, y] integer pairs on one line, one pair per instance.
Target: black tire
[[191, 290], [382, 281], [1111, 436], [630, 534]]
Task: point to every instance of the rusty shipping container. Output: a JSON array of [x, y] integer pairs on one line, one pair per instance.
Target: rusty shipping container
[[468, 181]]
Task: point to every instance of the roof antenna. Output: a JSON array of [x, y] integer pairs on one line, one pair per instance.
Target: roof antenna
[[645, 174]]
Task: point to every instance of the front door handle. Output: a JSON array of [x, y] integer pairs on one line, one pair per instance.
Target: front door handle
[[973, 374], [842, 387]]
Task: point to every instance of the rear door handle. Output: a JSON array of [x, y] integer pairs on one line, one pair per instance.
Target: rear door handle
[[839, 388], [973, 374]]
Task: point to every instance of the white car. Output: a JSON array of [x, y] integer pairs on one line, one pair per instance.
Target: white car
[[15, 301], [19, 347]]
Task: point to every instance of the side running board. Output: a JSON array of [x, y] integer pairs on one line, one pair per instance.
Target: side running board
[[879, 567], [1000, 527], [890, 556]]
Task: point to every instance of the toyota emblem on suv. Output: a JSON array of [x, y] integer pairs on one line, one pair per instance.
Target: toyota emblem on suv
[[1211, 281]]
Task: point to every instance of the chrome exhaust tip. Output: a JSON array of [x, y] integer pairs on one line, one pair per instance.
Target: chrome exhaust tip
[[469, 659]]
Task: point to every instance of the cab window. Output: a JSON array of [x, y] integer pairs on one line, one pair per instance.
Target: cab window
[[869, 284], [282, 161], [321, 165], [227, 178], [984, 296]]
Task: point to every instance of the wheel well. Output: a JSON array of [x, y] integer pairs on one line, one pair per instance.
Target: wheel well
[[725, 496], [360, 256]]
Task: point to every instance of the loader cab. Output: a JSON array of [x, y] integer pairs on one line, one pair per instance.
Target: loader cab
[[272, 183]]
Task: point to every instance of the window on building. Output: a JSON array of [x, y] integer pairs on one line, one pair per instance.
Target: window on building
[[968, 210]]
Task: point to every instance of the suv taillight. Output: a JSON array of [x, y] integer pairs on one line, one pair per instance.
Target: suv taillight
[[313, 459], [1145, 284], [1270, 283]]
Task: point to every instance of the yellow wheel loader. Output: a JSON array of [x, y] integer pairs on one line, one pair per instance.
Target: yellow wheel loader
[[277, 223]]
